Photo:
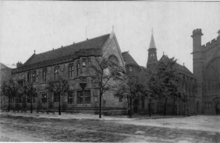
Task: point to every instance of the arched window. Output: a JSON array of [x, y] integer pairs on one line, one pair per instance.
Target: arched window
[[113, 59]]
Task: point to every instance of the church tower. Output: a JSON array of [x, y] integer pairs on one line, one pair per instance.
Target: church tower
[[152, 53]]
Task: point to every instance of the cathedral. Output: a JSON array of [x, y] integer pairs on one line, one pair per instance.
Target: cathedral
[[206, 69]]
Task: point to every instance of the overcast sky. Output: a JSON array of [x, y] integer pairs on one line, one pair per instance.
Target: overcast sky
[[42, 26]]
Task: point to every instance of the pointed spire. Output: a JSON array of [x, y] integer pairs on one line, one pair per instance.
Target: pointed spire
[[152, 43]]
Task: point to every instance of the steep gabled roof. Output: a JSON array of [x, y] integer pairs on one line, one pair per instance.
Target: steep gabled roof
[[2, 66], [179, 67], [94, 43], [128, 59]]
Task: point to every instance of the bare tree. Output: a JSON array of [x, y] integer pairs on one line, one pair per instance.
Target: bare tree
[[30, 91], [130, 89], [106, 75], [10, 89], [60, 87]]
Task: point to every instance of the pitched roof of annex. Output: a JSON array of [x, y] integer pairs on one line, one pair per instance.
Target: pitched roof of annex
[[128, 59]]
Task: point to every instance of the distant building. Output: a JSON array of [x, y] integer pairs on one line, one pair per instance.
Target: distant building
[[206, 68], [72, 62], [5, 75], [186, 85]]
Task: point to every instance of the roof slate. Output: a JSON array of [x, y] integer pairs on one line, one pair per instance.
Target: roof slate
[[128, 59], [94, 43], [179, 67]]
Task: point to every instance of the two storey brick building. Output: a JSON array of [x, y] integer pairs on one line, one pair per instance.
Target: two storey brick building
[[72, 63]]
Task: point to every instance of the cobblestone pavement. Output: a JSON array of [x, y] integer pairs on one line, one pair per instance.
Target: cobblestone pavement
[[18, 128]]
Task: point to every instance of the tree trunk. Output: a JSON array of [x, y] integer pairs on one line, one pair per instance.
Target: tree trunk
[[174, 107], [9, 99], [149, 107], [129, 107], [130, 115], [59, 105], [165, 107], [100, 105], [31, 105]]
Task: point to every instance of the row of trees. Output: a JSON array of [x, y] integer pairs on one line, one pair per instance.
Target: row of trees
[[105, 74], [161, 83]]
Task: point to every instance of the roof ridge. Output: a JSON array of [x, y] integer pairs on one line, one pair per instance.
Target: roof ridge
[[94, 43], [73, 44]]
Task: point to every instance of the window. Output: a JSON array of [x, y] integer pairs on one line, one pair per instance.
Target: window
[[130, 68], [19, 99], [79, 97], [56, 73], [89, 61], [29, 77], [70, 97], [44, 98], [77, 69], [71, 71], [113, 59], [120, 99], [56, 97], [44, 74], [28, 99], [34, 76], [87, 96], [84, 63], [143, 103]]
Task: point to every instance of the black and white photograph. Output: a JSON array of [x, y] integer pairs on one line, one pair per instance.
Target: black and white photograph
[[110, 71]]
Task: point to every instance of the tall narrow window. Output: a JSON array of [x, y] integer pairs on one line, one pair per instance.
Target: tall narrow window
[[44, 74], [87, 96], [84, 63], [56, 73], [44, 98], [28, 99], [79, 97], [34, 76], [56, 97], [77, 69], [71, 71], [70, 97], [29, 77], [120, 99]]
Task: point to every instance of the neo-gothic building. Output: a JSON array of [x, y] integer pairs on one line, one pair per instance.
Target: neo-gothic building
[[206, 68], [72, 63], [186, 85]]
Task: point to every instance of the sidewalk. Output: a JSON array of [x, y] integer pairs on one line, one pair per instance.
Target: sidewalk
[[65, 116], [86, 116]]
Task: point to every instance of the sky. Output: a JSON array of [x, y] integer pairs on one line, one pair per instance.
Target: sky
[[44, 25]]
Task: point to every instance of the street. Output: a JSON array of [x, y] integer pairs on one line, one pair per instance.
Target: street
[[21, 128]]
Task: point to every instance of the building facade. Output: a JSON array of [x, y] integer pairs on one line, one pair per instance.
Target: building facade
[[206, 69], [72, 63], [5, 75], [186, 85]]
